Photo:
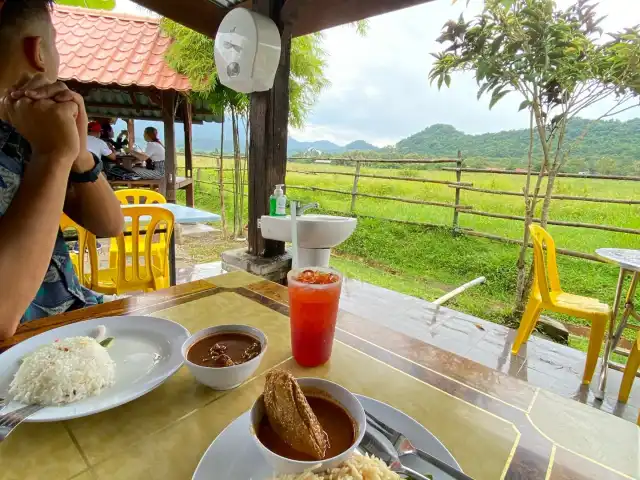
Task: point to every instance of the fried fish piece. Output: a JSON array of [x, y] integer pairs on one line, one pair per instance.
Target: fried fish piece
[[291, 417]]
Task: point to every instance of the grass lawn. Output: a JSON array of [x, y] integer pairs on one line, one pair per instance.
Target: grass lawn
[[426, 262]]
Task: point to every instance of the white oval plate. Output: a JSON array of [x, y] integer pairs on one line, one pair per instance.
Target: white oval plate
[[233, 454], [146, 351]]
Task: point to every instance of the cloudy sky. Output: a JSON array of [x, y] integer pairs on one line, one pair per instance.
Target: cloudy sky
[[380, 90]]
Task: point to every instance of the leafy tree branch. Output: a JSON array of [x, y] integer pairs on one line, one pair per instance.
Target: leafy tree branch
[[559, 61]]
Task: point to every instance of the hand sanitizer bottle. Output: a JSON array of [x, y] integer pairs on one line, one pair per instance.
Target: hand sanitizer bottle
[[281, 202], [277, 203]]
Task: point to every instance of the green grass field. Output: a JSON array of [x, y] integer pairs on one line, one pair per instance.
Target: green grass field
[[426, 262]]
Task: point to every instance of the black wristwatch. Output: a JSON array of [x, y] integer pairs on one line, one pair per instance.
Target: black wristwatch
[[89, 176]]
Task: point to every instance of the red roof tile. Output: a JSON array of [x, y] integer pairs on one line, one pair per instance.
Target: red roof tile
[[107, 48]]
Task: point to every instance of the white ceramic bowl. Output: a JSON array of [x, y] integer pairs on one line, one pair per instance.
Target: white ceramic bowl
[[225, 378], [341, 395]]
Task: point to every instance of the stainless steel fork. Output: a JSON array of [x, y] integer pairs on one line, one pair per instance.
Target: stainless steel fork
[[372, 445], [9, 421], [404, 447]]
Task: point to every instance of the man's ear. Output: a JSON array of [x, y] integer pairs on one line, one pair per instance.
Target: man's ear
[[33, 53]]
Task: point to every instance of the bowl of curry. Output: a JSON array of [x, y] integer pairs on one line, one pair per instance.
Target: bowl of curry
[[306, 423], [224, 356]]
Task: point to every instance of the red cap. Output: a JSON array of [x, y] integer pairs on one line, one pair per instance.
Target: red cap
[[95, 127]]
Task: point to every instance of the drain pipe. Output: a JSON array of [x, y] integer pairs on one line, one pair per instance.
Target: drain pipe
[[439, 301], [459, 290]]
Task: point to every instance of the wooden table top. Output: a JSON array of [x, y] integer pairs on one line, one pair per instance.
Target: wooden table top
[[496, 426]]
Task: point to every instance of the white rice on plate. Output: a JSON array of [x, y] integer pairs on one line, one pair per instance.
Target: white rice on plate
[[63, 372], [357, 467]]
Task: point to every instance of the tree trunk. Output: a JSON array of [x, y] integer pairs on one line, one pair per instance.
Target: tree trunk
[[223, 216], [246, 166], [529, 207], [553, 171], [235, 168], [524, 279], [237, 177], [546, 204]]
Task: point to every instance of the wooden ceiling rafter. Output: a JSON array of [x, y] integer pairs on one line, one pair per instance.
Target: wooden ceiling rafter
[[141, 108], [83, 88], [200, 15], [134, 101], [93, 116], [304, 16], [153, 95], [309, 16]]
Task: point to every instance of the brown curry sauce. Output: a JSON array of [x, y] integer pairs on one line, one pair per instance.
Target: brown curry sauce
[[336, 422], [224, 349]]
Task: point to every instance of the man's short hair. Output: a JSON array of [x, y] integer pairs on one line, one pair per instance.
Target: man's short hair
[[15, 14]]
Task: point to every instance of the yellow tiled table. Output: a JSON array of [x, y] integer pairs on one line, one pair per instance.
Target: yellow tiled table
[[515, 433]]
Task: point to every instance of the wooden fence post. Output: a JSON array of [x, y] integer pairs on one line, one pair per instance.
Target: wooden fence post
[[354, 190], [456, 213]]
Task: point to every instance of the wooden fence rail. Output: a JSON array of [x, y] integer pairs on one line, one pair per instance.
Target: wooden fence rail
[[622, 201], [422, 161], [383, 177], [608, 228], [562, 175], [562, 251], [458, 185], [380, 197]]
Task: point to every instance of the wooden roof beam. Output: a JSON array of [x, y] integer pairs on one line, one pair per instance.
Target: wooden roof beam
[[304, 16], [309, 16], [202, 16]]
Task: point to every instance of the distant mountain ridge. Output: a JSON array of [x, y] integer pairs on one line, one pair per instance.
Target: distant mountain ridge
[[611, 138], [619, 140], [360, 145], [206, 138]]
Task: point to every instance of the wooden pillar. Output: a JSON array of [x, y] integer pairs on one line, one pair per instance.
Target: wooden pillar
[[268, 137], [188, 148], [168, 117], [131, 132]]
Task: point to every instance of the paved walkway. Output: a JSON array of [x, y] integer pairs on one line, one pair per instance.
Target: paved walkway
[[542, 363]]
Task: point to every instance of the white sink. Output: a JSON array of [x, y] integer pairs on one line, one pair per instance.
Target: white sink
[[314, 231]]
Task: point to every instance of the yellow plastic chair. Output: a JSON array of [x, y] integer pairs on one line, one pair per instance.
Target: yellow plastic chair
[[130, 274], [546, 294], [77, 259], [139, 196], [633, 363]]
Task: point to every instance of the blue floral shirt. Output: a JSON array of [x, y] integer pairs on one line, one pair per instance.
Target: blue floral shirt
[[60, 290]]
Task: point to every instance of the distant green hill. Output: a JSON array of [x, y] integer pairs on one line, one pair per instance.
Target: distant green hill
[[360, 145], [611, 139]]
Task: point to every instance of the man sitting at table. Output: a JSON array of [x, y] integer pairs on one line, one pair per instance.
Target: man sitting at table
[[45, 167], [107, 136], [98, 146]]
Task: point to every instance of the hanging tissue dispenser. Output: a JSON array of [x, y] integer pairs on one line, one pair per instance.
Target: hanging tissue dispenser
[[247, 51]]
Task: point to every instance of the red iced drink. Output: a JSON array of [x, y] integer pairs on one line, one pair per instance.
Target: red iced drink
[[314, 294]]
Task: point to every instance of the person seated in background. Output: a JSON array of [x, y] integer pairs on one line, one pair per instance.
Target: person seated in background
[[45, 169], [107, 136], [98, 146], [154, 154]]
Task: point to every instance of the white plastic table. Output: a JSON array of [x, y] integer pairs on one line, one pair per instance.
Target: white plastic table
[[183, 215], [629, 262]]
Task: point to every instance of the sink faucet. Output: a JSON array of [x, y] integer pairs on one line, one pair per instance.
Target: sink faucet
[[300, 209]]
